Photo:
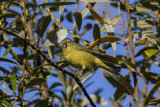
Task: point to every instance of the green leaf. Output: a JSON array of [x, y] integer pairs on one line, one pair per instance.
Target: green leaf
[[93, 1], [7, 60], [118, 94], [116, 18], [5, 103], [61, 8], [35, 81], [51, 51], [7, 51], [14, 82], [150, 76], [4, 70], [8, 15], [54, 85], [96, 32], [42, 103], [142, 42], [114, 103], [83, 77], [54, 37], [56, 4], [69, 16], [69, 93], [117, 80], [149, 96], [96, 99], [150, 52], [78, 18], [145, 49], [96, 15], [42, 25]]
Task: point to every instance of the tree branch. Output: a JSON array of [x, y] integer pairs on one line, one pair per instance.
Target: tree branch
[[52, 63], [132, 51]]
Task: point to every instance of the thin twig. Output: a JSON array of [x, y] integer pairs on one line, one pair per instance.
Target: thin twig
[[52, 63]]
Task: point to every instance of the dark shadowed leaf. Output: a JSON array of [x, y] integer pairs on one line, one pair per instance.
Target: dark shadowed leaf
[[35, 81], [7, 60], [42, 103], [4, 70], [54, 85], [42, 25], [149, 96], [14, 82], [69, 17], [150, 76], [56, 4], [118, 94], [8, 15], [145, 49], [78, 18], [118, 81], [96, 32]]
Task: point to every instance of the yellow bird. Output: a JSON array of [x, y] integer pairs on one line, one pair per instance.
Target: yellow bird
[[81, 57]]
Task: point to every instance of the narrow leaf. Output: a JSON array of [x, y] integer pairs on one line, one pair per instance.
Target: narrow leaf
[[4, 70], [103, 39], [116, 18], [142, 42], [53, 4], [7, 60], [35, 81], [95, 14], [150, 52], [118, 81], [114, 103], [96, 32], [7, 51], [78, 18], [93, 1], [5, 103], [149, 96], [14, 82]]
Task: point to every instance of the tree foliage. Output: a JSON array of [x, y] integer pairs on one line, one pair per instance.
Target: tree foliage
[[30, 36]]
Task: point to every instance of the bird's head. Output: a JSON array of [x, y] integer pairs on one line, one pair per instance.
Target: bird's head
[[66, 42]]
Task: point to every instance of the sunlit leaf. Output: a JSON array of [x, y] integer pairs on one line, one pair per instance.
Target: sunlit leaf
[[61, 8], [95, 14], [14, 82], [149, 96], [116, 18], [150, 52], [55, 36], [5, 103], [142, 42], [104, 39], [7, 51], [114, 103]]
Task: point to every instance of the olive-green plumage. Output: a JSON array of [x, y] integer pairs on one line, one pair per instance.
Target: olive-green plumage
[[82, 58]]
